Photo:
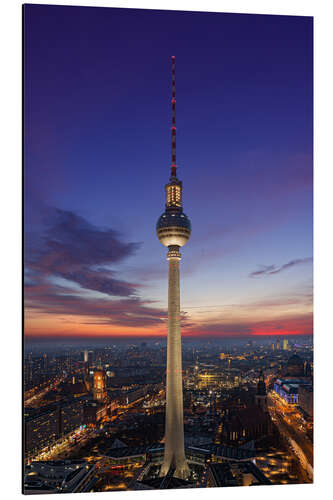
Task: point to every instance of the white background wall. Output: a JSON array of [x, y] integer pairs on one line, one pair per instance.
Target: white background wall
[[10, 212]]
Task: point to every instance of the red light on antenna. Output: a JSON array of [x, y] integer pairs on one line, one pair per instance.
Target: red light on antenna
[[172, 57]]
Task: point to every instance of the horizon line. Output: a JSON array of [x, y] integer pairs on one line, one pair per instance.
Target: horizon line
[[151, 337]]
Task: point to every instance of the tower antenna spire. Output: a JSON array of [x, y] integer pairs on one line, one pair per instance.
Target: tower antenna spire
[[173, 128]]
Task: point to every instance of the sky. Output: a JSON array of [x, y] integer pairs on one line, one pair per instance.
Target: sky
[[97, 154]]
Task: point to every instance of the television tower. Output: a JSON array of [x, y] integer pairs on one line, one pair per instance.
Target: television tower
[[173, 230]]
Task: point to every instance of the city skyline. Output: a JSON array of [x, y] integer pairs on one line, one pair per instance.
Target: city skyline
[[94, 172], [81, 405]]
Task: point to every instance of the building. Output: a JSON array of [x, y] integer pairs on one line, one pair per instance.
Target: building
[[173, 230], [261, 395], [278, 345], [305, 399], [243, 425], [99, 388], [86, 368], [199, 457], [42, 428], [45, 364], [28, 372], [75, 388], [307, 369], [285, 344], [71, 416], [294, 367], [235, 474], [208, 378], [93, 413], [134, 395], [288, 389], [60, 476]]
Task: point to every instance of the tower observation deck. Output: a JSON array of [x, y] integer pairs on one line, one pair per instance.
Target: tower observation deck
[[173, 230]]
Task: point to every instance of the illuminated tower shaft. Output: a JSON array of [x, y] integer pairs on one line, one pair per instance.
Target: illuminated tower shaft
[[174, 425], [173, 230]]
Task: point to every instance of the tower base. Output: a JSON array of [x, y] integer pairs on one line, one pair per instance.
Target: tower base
[[181, 470]]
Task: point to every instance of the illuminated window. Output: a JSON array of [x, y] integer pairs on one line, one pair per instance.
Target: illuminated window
[[173, 195]]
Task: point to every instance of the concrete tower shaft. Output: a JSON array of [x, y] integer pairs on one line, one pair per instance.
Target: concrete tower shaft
[[174, 454]]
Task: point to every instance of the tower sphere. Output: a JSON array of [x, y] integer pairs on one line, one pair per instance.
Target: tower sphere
[[173, 228]]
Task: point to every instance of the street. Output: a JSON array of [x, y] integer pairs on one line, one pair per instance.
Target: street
[[288, 425]]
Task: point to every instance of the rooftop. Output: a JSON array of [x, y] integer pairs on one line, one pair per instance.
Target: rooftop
[[227, 452]]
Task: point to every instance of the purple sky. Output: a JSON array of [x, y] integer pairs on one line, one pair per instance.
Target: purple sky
[[97, 156]]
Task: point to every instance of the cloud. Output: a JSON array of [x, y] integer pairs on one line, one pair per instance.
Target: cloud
[[73, 249], [62, 301], [272, 269], [300, 324], [71, 271]]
